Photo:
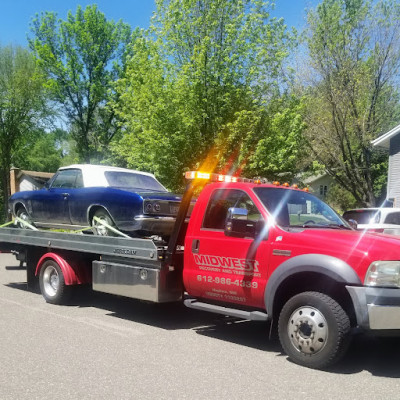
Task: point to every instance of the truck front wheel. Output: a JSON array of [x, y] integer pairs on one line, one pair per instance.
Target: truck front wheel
[[52, 283], [314, 330]]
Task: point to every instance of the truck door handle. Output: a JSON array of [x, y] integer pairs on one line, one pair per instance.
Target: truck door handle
[[65, 194], [195, 246]]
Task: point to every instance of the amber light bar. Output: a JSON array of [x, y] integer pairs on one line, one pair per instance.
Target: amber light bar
[[214, 177], [211, 177]]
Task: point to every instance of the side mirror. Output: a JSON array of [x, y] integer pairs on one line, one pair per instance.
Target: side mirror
[[238, 225], [352, 223]]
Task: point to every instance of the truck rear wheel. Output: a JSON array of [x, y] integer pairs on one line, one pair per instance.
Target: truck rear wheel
[[314, 330], [52, 283]]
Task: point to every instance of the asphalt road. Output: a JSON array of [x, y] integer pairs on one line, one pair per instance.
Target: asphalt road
[[106, 347]]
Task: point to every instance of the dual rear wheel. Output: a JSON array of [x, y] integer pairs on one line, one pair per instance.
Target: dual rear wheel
[[52, 283]]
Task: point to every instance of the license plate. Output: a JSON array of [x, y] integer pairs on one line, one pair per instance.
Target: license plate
[[173, 209]]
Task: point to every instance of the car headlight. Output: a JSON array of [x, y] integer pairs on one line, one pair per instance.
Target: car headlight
[[383, 273]]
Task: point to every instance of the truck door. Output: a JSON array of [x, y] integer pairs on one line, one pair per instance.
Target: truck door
[[226, 268]]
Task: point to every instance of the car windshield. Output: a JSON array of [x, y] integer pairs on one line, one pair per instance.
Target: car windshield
[[293, 208], [130, 180], [363, 216]]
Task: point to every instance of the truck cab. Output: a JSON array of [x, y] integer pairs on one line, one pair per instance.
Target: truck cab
[[282, 252], [240, 233]]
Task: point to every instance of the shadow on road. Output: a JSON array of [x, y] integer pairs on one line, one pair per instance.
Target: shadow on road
[[377, 355]]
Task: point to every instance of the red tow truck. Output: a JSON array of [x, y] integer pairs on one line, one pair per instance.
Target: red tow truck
[[250, 250]]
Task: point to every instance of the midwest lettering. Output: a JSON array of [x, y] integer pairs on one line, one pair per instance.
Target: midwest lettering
[[242, 264]]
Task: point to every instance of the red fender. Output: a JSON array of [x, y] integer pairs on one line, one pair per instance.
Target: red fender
[[73, 274]]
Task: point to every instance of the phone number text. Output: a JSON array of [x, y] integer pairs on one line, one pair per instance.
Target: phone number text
[[227, 281]]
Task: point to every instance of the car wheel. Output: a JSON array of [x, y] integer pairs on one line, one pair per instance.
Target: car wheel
[[100, 229], [314, 330], [52, 283], [23, 214]]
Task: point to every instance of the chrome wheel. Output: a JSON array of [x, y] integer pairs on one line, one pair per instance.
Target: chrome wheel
[[51, 281], [308, 330], [23, 214], [100, 229]]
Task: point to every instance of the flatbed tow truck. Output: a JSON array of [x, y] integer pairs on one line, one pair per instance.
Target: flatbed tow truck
[[250, 250]]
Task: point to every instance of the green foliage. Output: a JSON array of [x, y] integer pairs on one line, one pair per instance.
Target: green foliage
[[354, 52], [340, 199], [22, 108], [81, 57], [40, 151], [198, 87], [267, 142]]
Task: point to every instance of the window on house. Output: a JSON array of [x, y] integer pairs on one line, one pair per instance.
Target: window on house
[[323, 190]]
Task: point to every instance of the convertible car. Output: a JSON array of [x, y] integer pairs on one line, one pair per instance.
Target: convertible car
[[131, 201]]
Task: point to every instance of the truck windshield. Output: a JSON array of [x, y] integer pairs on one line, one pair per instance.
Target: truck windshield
[[292, 208]]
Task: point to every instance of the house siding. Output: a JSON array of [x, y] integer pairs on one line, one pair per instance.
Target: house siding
[[320, 186], [393, 191], [28, 183]]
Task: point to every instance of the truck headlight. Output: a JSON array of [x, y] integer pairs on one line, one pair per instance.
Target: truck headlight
[[383, 273]]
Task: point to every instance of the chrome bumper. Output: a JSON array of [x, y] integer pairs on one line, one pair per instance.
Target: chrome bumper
[[376, 308], [157, 225]]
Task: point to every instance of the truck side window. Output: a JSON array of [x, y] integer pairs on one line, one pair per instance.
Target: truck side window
[[220, 202]]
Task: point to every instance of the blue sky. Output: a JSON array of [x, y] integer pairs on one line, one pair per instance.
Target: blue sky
[[15, 15]]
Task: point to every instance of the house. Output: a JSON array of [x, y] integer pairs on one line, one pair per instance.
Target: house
[[27, 180], [319, 185], [390, 142]]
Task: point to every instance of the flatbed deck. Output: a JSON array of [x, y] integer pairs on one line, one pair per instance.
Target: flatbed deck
[[145, 249]]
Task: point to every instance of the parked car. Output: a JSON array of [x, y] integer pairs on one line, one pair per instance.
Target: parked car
[[131, 201], [381, 220]]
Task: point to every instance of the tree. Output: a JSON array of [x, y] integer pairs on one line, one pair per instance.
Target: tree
[[354, 53], [206, 71], [40, 151], [81, 57], [22, 108]]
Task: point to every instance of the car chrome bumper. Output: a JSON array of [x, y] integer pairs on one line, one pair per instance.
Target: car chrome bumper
[[376, 308], [153, 224]]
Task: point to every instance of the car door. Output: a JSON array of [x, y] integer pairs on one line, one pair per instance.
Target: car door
[[228, 268], [53, 205]]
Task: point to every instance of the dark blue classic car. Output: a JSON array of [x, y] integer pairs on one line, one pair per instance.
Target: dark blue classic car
[[79, 196]]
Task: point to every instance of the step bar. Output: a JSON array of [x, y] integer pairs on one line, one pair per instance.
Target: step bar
[[232, 312]]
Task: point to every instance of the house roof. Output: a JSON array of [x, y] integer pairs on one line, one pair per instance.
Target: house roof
[[383, 141], [35, 174], [314, 178]]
